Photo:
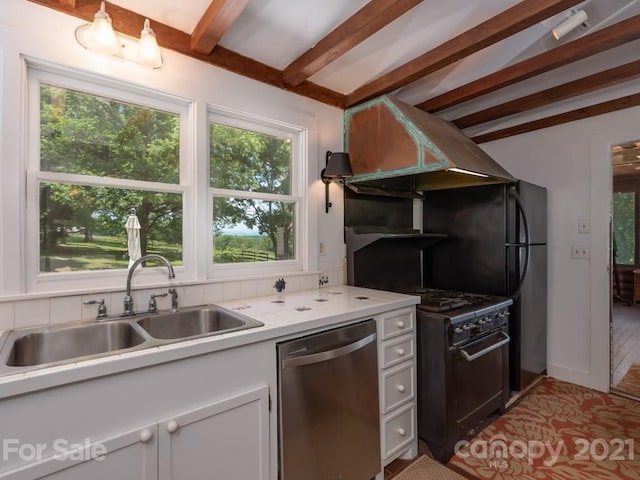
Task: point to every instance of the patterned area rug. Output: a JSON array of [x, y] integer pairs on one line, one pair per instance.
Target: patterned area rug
[[427, 468], [559, 431], [630, 383]]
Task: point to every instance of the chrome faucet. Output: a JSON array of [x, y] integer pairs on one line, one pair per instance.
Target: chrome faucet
[[128, 299]]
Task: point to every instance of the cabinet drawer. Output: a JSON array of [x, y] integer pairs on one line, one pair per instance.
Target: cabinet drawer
[[398, 430], [397, 351], [398, 386], [397, 323]]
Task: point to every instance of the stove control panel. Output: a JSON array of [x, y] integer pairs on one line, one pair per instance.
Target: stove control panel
[[483, 321]]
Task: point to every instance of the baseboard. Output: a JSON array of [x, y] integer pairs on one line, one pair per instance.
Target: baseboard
[[579, 377]]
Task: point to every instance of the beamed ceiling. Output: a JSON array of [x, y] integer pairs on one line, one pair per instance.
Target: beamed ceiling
[[491, 67]]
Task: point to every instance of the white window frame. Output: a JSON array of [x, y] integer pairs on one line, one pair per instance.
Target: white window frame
[[118, 91], [299, 138]]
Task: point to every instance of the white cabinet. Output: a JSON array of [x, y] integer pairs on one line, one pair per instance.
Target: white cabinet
[[205, 416], [397, 381], [132, 455], [223, 440]]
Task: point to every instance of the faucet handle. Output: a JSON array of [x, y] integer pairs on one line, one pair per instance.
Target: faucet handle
[[153, 306], [174, 299], [102, 308]]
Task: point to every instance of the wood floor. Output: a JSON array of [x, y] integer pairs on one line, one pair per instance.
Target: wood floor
[[626, 340]]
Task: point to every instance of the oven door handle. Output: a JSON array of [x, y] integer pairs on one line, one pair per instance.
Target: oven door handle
[[484, 351]]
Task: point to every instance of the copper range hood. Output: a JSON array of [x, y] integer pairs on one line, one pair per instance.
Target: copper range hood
[[399, 150]]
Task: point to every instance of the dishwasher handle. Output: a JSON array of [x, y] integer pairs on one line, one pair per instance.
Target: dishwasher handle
[[328, 354]]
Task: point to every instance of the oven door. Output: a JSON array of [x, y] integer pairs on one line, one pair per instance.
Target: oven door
[[481, 378]]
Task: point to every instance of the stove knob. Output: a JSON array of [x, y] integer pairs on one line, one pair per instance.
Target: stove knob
[[458, 330], [466, 326], [481, 321]]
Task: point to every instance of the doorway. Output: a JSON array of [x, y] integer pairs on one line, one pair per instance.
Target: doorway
[[625, 268]]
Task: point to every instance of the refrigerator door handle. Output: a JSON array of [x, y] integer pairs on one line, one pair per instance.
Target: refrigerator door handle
[[525, 224]]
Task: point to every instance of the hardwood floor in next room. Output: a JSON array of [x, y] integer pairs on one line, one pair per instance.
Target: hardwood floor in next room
[[626, 340]]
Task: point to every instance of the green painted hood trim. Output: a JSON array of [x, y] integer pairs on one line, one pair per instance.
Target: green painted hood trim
[[444, 144]]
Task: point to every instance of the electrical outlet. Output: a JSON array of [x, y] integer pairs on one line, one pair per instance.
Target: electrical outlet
[[580, 252], [584, 225]]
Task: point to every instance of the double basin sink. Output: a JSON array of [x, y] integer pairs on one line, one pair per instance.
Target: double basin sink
[[39, 347]]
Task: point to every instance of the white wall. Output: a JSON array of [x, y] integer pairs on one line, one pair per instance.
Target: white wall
[[29, 30], [573, 161]]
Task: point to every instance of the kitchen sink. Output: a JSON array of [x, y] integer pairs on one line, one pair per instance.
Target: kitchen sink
[[39, 347], [54, 345], [202, 321]]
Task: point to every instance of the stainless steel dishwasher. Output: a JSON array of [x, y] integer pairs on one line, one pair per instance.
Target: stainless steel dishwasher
[[328, 414]]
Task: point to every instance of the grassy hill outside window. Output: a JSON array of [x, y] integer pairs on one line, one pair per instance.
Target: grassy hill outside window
[[101, 151], [254, 191], [96, 147]]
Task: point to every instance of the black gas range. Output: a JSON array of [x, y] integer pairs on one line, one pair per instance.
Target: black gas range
[[463, 364], [466, 315]]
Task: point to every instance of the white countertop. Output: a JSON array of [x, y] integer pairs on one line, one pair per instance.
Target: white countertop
[[296, 314]]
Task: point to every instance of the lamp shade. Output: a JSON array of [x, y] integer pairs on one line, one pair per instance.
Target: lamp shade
[[148, 51], [338, 166], [101, 37]]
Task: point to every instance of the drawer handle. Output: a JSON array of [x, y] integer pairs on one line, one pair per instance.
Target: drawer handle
[[400, 388], [172, 426], [400, 352], [400, 324], [146, 435], [402, 432]]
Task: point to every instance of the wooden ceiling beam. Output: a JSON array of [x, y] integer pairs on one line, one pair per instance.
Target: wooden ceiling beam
[[607, 78], [215, 22], [600, 41], [360, 26], [509, 22], [578, 114], [131, 23]]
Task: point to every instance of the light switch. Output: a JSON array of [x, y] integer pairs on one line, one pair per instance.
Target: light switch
[[584, 225]]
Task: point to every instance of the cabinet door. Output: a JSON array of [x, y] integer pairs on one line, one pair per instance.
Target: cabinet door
[[228, 439], [129, 456]]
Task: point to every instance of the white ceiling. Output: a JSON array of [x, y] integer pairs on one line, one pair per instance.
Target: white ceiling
[[276, 32]]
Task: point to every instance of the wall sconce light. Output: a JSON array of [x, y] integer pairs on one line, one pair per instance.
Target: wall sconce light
[[100, 37], [337, 168], [577, 18]]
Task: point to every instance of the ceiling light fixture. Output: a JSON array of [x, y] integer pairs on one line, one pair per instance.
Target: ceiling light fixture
[[100, 37], [576, 19], [338, 167]]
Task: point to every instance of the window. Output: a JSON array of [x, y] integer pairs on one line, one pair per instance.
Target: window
[[624, 227], [97, 147], [101, 151], [255, 196]]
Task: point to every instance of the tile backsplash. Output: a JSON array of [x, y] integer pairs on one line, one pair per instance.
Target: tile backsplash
[[61, 309]]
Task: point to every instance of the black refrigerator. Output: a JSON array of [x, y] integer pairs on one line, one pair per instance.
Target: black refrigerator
[[497, 236]]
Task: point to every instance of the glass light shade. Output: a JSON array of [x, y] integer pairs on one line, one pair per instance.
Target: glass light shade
[[148, 51], [101, 37], [338, 166]]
